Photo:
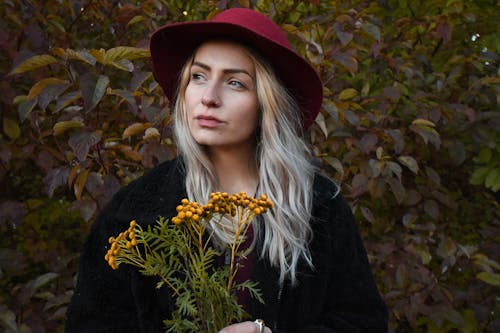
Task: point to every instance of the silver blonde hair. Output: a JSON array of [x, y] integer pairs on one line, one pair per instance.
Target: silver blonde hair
[[286, 173]]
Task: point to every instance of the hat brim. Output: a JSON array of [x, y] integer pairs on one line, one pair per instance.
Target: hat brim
[[172, 44]]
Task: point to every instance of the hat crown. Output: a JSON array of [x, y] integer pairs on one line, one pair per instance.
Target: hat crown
[[254, 21]]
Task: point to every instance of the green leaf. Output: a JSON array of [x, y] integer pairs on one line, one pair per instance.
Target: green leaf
[[81, 142], [81, 55], [93, 89], [11, 128], [25, 108], [124, 52], [44, 83], [347, 61], [136, 19], [67, 99], [347, 94], [372, 30], [336, 164], [492, 180], [62, 126], [479, 175], [33, 63], [489, 278], [409, 162], [484, 156]]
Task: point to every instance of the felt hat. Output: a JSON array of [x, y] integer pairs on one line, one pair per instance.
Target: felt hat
[[172, 44]]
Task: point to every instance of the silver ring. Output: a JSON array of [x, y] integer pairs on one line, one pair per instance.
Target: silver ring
[[261, 325]]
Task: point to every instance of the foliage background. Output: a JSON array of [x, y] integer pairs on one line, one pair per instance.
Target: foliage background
[[410, 126]]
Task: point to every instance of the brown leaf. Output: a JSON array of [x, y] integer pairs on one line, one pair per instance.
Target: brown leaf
[[135, 129]]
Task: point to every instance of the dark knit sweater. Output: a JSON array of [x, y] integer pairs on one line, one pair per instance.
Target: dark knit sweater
[[339, 295]]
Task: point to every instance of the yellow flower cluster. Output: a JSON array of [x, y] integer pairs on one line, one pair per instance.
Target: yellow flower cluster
[[128, 236], [220, 203], [187, 211]]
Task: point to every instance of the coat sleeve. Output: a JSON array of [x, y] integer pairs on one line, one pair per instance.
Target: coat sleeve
[[354, 302], [343, 297], [102, 300]]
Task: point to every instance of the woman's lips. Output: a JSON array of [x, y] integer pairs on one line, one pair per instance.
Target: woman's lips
[[208, 121]]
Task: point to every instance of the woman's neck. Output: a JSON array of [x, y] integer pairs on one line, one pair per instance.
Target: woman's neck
[[236, 170]]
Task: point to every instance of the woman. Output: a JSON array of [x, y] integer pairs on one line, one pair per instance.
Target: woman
[[243, 98]]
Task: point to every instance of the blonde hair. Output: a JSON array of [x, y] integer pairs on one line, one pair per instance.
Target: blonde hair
[[286, 173]]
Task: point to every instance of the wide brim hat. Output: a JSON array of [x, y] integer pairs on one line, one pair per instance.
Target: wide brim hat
[[172, 44]]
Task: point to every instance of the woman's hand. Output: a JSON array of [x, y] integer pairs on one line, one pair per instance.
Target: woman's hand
[[244, 327]]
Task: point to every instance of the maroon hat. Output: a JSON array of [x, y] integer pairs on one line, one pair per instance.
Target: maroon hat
[[172, 44]]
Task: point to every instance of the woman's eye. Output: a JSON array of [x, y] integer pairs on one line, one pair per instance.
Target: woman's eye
[[236, 84], [196, 76]]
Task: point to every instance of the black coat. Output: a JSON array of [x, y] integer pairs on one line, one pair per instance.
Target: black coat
[[339, 295]]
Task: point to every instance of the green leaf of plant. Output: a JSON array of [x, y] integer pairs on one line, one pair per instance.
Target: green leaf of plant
[[489, 278], [67, 99], [123, 64], [124, 52], [409, 162], [62, 126], [42, 84], [93, 89], [33, 63], [11, 128], [81, 142], [81, 55], [127, 96], [347, 61], [25, 108], [347, 94], [336, 164], [372, 30], [492, 180], [484, 156], [479, 175]]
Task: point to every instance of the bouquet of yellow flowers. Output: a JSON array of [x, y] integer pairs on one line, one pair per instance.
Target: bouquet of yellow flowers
[[180, 252]]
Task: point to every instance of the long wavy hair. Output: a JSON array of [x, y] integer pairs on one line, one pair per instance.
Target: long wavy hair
[[286, 172]]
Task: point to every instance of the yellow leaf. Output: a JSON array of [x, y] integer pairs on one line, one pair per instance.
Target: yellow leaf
[[98, 54], [80, 183], [19, 99], [124, 52], [72, 175], [134, 129], [423, 122], [135, 19], [33, 63], [59, 52], [130, 153], [42, 84], [11, 128], [489, 278], [347, 94], [63, 126]]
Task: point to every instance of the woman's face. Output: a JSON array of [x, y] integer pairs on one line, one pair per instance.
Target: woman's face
[[221, 98]]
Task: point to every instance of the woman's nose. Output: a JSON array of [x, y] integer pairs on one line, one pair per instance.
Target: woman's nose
[[210, 96]]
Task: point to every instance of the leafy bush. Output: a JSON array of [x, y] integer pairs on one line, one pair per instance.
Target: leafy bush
[[410, 126]]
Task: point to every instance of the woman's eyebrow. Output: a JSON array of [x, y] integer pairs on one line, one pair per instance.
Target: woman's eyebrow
[[226, 71]]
